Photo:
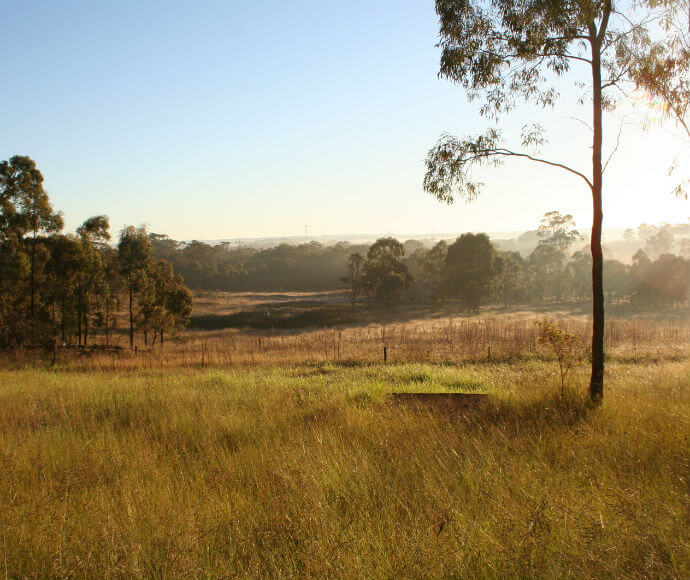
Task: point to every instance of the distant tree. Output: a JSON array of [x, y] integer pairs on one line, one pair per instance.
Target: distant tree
[[178, 304], [412, 246], [671, 277], [63, 267], [433, 265], [94, 235], [391, 288], [558, 230], [664, 281], [510, 276], [503, 50], [384, 258], [163, 247], [470, 270], [546, 264], [684, 248], [134, 253], [660, 242], [644, 231], [95, 229], [354, 267], [629, 235], [109, 299], [576, 275], [642, 286], [414, 259], [28, 209], [165, 302], [616, 280]]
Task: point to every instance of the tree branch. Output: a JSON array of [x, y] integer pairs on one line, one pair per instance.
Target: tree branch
[[618, 142], [509, 153], [604, 21]]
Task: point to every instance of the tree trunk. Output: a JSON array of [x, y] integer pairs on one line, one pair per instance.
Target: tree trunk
[[79, 316], [107, 320], [596, 383], [131, 314], [33, 269], [62, 320]]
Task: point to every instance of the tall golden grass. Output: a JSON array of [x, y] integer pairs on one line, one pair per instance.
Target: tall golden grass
[[307, 471]]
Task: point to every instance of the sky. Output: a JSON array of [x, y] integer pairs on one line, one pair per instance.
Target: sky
[[234, 118]]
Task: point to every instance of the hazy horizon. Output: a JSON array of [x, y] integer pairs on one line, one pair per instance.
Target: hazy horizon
[[244, 119]]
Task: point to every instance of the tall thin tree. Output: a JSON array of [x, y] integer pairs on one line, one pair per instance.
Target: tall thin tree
[[503, 50], [134, 250]]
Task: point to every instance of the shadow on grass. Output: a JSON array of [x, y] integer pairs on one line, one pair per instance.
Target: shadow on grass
[[542, 412], [275, 319], [545, 410]]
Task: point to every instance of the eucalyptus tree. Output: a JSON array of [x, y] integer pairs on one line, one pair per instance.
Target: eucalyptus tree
[[94, 236], [172, 306], [510, 276], [134, 253], [66, 261], [470, 270], [558, 230], [354, 268], [432, 269], [25, 209], [385, 275], [502, 51]]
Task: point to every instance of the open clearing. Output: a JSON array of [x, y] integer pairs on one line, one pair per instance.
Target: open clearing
[[307, 470]]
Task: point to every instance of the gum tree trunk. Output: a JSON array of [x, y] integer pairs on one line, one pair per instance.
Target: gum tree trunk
[[131, 314], [596, 383]]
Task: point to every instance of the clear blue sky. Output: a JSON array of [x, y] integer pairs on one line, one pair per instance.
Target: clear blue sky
[[252, 118]]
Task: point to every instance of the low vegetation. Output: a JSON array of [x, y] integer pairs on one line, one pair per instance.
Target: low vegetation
[[310, 471]]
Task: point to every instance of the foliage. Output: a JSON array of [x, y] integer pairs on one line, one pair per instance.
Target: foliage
[[558, 230], [509, 283], [664, 281], [386, 277], [55, 285], [564, 344], [433, 264], [354, 265], [470, 269], [659, 69]]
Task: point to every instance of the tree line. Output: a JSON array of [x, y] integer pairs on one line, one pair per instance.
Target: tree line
[[76, 287], [470, 270], [286, 267], [473, 271]]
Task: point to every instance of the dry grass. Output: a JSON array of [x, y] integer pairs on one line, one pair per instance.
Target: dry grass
[[442, 340], [277, 454], [277, 471]]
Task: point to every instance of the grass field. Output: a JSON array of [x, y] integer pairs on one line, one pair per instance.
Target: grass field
[[308, 470]]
